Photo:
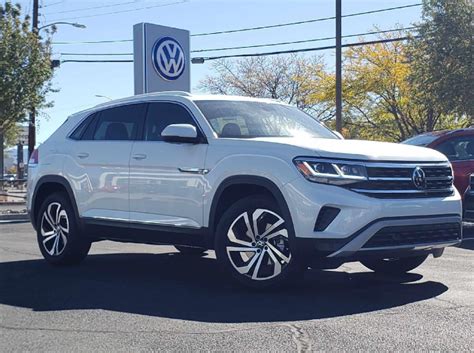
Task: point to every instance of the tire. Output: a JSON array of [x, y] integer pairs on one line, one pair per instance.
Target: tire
[[58, 234], [189, 250], [253, 260], [394, 266]]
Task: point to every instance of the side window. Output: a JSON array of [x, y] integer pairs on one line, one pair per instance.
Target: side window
[[79, 132], [160, 115], [117, 124], [458, 149]]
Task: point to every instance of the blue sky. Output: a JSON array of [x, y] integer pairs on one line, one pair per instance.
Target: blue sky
[[79, 83]]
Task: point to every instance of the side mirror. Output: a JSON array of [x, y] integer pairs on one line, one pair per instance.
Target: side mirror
[[180, 133], [338, 134]]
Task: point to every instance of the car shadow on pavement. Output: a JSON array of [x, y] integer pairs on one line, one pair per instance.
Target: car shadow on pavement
[[192, 288]]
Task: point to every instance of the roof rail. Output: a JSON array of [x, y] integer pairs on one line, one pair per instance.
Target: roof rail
[[178, 93]]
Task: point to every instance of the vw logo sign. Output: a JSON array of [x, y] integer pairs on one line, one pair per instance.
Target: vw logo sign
[[168, 58], [419, 178]]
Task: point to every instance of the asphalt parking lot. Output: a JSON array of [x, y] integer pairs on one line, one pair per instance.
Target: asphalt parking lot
[[128, 297]]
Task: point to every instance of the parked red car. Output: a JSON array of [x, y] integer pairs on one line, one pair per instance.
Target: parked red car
[[458, 146]]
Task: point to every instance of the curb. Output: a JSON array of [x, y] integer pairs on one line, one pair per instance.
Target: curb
[[15, 218]]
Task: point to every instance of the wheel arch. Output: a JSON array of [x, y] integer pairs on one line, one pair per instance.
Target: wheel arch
[[45, 186], [249, 182]]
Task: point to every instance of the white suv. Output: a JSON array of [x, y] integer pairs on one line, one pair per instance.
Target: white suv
[[265, 185]]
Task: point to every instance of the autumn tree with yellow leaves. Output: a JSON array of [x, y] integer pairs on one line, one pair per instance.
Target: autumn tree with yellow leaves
[[378, 98]]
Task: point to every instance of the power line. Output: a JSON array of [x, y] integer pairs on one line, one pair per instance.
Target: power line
[[96, 61], [95, 54], [256, 45], [302, 41], [347, 45], [252, 28], [95, 41], [121, 11], [291, 51], [90, 8], [304, 22], [52, 4]]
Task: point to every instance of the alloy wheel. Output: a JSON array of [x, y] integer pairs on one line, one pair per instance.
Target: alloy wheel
[[54, 229], [258, 245]]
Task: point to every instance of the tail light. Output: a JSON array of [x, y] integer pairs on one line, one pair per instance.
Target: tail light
[[34, 158]]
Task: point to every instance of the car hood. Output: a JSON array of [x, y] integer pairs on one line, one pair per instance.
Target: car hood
[[359, 149]]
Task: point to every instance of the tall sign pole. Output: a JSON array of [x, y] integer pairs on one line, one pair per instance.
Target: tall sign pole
[[338, 67], [32, 124]]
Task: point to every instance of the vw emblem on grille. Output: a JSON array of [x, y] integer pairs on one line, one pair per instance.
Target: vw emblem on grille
[[168, 58], [419, 178]]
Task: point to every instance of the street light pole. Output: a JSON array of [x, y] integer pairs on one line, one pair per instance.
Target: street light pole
[[102, 96], [74, 24], [338, 67]]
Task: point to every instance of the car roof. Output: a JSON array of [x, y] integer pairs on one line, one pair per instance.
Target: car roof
[[174, 94], [190, 96], [441, 133]]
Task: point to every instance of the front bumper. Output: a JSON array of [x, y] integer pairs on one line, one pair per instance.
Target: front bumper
[[406, 237], [410, 234], [361, 218]]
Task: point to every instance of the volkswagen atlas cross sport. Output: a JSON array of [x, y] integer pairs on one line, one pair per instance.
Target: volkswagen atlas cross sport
[[265, 185]]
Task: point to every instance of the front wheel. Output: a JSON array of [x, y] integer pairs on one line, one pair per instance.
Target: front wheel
[[58, 233], [395, 266], [254, 243]]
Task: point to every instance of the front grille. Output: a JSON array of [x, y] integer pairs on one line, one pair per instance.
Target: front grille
[[396, 181], [417, 234]]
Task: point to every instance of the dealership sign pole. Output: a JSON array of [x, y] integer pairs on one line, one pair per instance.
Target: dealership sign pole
[[161, 58]]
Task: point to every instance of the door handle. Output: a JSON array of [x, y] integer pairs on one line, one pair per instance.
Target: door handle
[[139, 156], [194, 170], [83, 155]]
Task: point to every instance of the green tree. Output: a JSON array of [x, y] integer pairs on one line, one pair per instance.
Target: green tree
[[442, 56], [25, 69]]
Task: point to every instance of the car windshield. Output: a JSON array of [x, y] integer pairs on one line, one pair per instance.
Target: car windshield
[[421, 140], [246, 119]]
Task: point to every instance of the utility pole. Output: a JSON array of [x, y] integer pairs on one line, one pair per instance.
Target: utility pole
[[1, 156], [338, 67], [32, 124]]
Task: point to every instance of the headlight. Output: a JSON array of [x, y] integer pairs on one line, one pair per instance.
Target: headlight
[[331, 172]]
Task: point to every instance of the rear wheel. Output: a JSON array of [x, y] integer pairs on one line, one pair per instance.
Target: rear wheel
[[189, 250], [58, 233], [395, 266], [254, 243]]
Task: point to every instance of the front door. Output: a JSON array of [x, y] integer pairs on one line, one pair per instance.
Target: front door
[[166, 179]]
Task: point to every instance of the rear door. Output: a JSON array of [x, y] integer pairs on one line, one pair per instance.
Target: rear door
[[166, 179], [102, 155]]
